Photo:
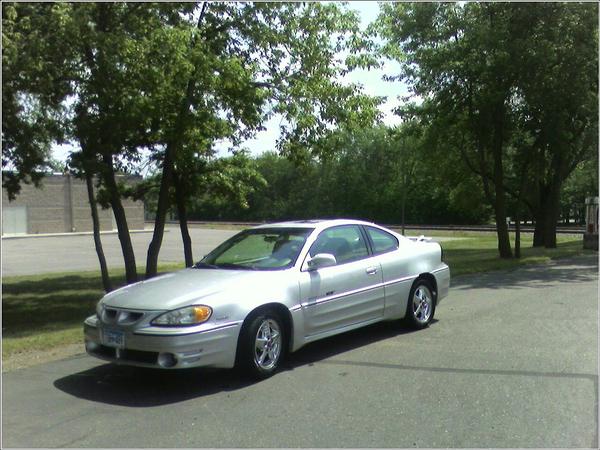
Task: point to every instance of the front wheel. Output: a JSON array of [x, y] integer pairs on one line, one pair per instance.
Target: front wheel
[[421, 305], [261, 345]]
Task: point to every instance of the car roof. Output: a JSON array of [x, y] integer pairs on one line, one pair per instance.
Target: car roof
[[314, 223]]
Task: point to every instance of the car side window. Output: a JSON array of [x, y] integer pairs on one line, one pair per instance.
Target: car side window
[[382, 242], [345, 242]]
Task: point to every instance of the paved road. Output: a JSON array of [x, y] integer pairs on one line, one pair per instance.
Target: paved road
[[67, 253], [510, 362]]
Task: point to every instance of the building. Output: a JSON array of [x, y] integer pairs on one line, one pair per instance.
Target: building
[[60, 205]]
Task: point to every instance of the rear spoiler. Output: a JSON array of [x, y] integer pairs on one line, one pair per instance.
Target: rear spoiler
[[421, 238]]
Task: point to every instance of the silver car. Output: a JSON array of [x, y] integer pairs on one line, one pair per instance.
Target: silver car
[[267, 291]]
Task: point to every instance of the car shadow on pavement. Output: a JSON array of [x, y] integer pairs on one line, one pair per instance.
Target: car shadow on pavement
[[140, 387], [571, 270]]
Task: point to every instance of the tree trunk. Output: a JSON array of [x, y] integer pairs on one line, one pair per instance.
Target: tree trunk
[[121, 219], [546, 216], [517, 233], [96, 227], [161, 214], [183, 224], [498, 177], [403, 206], [538, 230], [551, 212], [504, 248], [168, 163]]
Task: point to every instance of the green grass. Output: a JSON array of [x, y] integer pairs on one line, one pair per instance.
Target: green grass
[[479, 253], [40, 312]]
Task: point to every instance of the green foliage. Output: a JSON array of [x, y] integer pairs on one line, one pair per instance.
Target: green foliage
[[582, 183], [223, 183], [31, 85], [134, 76], [228, 182], [508, 91], [363, 174]]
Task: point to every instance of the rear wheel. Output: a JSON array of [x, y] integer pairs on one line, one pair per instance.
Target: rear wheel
[[421, 305], [262, 345]]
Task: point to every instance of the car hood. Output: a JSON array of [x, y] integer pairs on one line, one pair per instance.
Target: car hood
[[186, 287]]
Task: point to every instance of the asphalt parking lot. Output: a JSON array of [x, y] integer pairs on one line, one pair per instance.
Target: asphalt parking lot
[[511, 361], [68, 253]]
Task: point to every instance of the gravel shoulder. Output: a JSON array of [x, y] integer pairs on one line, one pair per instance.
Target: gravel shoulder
[[33, 358]]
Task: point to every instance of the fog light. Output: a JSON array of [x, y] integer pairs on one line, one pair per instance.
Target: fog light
[[166, 359], [91, 346]]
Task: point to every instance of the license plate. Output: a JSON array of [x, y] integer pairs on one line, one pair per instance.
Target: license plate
[[113, 338]]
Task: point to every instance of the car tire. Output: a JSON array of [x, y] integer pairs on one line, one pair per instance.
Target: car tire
[[421, 304], [261, 345]]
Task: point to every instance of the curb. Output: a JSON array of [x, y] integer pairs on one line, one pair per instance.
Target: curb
[[76, 233]]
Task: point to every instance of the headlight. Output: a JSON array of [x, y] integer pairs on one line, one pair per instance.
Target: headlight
[[190, 315], [99, 308]]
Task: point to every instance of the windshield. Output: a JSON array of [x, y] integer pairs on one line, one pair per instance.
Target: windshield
[[258, 249]]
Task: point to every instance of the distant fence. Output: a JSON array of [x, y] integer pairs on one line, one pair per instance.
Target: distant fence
[[561, 229]]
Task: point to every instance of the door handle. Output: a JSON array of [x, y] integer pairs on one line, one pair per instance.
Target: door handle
[[371, 270]]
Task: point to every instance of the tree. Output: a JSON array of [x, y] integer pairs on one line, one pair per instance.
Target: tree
[[31, 85], [173, 79], [443, 46], [82, 168], [407, 144], [112, 115], [558, 83], [248, 57], [226, 181], [476, 68]]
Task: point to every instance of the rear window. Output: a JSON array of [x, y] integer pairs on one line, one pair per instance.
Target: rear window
[[382, 241]]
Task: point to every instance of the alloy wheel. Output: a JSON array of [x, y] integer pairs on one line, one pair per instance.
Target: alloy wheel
[[267, 345]]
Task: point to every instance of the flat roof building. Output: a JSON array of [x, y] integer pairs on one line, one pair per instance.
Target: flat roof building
[[60, 205]]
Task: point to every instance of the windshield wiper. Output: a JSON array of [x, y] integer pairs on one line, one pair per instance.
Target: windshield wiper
[[203, 265], [234, 266]]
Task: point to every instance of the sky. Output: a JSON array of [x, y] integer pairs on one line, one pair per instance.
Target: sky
[[371, 80]]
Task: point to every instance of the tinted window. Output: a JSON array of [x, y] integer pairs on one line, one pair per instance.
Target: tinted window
[[382, 242], [345, 242]]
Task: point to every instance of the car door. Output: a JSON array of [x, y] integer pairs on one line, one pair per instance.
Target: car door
[[397, 267], [346, 294]]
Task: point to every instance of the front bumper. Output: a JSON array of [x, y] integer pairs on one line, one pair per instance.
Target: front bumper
[[214, 347]]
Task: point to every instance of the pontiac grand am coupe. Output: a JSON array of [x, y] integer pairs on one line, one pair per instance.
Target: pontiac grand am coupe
[[267, 291]]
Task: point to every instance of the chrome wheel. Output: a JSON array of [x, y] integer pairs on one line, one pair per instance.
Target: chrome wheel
[[422, 302], [267, 345]]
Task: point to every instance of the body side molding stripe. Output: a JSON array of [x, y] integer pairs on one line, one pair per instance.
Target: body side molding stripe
[[329, 298]]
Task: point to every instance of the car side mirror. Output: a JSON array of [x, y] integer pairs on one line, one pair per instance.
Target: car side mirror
[[321, 260]]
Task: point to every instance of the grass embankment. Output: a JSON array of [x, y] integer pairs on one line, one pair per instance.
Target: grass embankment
[[42, 312], [471, 254]]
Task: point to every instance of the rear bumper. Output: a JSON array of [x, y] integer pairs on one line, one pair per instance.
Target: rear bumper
[[442, 279], [215, 347]]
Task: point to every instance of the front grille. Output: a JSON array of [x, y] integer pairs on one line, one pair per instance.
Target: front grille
[[126, 354], [121, 316]]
